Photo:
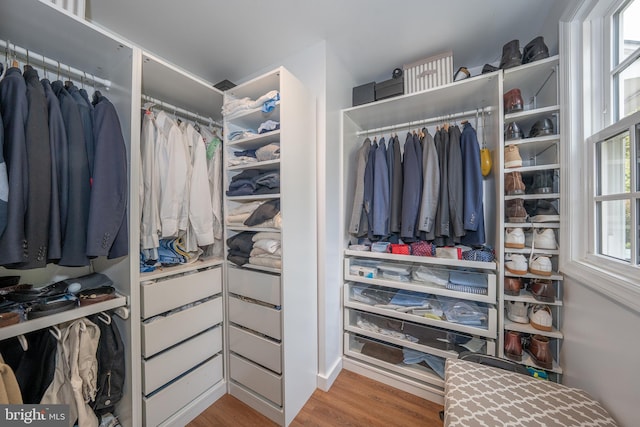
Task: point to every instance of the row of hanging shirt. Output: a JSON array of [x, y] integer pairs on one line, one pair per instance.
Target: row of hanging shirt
[[63, 179], [180, 190], [429, 189]]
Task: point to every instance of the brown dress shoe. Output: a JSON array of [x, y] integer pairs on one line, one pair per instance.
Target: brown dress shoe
[[542, 290], [540, 351], [513, 183], [512, 101], [513, 345], [515, 210], [512, 286]]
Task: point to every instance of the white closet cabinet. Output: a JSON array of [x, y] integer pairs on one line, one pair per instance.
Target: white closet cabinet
[[376, 337], [181, 308], [43, 29], [539, 85], [272, 312]]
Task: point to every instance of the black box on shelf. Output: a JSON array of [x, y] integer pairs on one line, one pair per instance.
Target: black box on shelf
[[389, 88], [364, 94]]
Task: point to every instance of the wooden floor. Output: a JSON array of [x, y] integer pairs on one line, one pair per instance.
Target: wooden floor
[[353, 401]]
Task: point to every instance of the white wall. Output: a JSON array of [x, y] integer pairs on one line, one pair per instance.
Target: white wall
[[601, 351]]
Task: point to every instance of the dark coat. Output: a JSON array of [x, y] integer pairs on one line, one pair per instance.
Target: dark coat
[[13, 99]]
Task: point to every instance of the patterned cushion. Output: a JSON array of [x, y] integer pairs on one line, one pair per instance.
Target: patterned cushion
[[478, 395]]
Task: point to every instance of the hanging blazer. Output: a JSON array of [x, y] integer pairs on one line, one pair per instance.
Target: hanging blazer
[[13, 99], [86, 114], [381, 191], [411, 189], [454, 170], [417, 143], [39, 174], [473, 190], [4, 183], [442, 214], [59, 172], [430, 186], [394, 161], [107, 233], [368, 188], [74, 240], [358, 223]]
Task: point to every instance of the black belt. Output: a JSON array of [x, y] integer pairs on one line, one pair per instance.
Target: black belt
[[95, 295], [49, 308]]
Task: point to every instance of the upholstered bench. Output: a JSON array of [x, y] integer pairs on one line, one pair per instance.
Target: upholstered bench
[[479, 395]]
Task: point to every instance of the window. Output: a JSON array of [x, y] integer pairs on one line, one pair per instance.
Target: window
[[625, 70], [601, 148]]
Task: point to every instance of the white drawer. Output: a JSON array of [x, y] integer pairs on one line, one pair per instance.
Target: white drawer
[[256, 378], [166, 295], [171, 399], [252, 284], [167, 365], [265, 320], [257, 348], [166, 331]]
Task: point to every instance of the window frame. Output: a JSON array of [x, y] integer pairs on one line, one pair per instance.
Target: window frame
[[587, 51]]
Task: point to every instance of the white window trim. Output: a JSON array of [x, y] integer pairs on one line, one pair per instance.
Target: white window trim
[[585, 110]]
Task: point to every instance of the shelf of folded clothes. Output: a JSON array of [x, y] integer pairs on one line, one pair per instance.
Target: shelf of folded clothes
[[255, 182], [446, 259], [74, 312], [455, 283], [418, 366], [164, 271], [254, 116], [423, 338], [265, 165], [260, 250], [469, 317], [253, 141]]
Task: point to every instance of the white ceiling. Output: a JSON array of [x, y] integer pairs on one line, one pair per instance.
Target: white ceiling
[[220, 40]]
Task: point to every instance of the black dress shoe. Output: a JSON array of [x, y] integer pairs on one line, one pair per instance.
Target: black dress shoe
[[511, 56], [535, 50]]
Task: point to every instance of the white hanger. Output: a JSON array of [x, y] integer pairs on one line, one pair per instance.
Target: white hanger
[[104, 317], [23, 342]]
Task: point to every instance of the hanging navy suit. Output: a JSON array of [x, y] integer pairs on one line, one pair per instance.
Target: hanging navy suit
[[74, 242], [107, 226], [39, 163], [13, 99], [412, 180], [59, 173], [86, 113]]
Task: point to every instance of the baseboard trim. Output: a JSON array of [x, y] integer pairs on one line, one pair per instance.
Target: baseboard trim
[[326, 381]]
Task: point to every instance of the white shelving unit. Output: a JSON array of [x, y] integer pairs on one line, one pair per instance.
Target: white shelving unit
[[272, 312], [361, 344], [538, 83]]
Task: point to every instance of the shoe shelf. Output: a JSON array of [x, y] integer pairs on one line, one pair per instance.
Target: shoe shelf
[[527, 225], [507, 273], [533, 74], [265, 165], [257, 141], [524, 169], [533, 114], [526, 328], [527, 251], [527, 360], [533, 197], [526, 296], [542, 141]]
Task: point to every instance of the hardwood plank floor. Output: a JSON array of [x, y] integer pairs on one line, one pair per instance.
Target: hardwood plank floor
[[353, 401]]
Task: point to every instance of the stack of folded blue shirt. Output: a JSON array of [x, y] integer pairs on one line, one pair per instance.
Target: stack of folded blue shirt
[[412, 357], [254, 181], [469, 282]]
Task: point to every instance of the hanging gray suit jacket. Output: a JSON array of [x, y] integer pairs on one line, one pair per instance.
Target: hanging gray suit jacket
[[454, 170], [430, 187], [411, 189], [358, 225], [394, 162]]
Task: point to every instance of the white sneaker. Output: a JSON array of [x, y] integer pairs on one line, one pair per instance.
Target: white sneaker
[[516, 264], [545, 239], [540, 265], [514, 238], [540, 317], [517, 311]]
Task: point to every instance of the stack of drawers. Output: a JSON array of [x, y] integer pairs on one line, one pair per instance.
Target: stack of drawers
[[255, 334], [181, 340]]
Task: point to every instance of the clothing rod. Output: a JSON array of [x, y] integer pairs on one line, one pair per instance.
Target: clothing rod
[[38, 60], [180, 111], [445, 117]]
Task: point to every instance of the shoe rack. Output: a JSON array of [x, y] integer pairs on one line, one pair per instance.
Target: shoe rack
[[540, 172]]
